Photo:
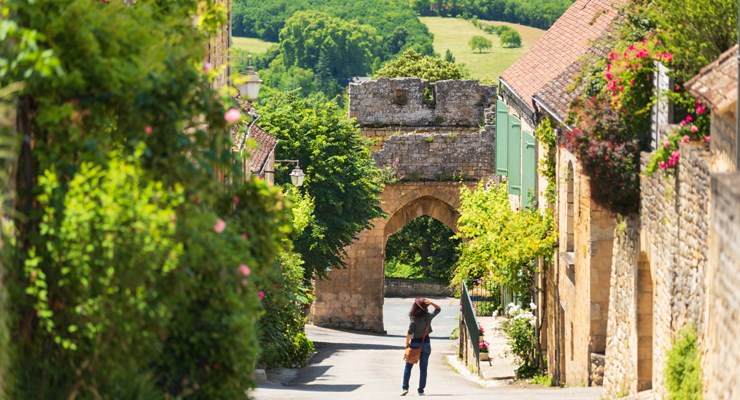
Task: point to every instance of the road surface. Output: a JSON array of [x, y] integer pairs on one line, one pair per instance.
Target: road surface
[[352, 366]]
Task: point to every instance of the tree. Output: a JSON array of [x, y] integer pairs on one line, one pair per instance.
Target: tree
[[498, 243], [348, 47], [511, 38], [449, 57], [479, 43], [426, 245], [412, 64], [338, 169]]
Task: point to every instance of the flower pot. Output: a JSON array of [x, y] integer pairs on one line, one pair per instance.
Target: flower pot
[[484, 357]]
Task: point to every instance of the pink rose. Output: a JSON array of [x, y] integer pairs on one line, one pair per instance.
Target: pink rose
[[244, 270], [685, 139], [244, 236], [689, 118], [706, 138], [700, 110], [666, 144], [207, 67], [232, 116], [694, 129], [261, 295], [148, 129], [219, 226]]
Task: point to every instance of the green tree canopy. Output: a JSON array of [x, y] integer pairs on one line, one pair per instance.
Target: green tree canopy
[[499, 243], [346, 48], [479, 43], [412, 64], [427, 246], [339, 173], [511, 38]]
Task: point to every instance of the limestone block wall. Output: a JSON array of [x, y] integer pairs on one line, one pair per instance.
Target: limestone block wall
[[620, 375], [674, 235], [580, 306], [352, 298], [416, 102], [438, 156], [396, 287], [219, 49], [723, 143], [722, 363]]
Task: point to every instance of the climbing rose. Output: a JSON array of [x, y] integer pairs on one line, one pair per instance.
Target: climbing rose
[[701, 110], [148, 129], [233, 115], [694, 129], [244, 270], [236, 200], [261, 295], [220, 226], [706, 138], [207, 67], [685, 139], [244, 236]]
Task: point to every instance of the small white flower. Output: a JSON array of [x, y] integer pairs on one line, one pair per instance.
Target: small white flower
[[532, 306]]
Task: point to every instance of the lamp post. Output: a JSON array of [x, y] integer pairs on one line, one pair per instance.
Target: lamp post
[[249, 88], [296, 176]]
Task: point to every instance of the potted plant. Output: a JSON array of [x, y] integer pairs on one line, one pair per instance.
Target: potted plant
[[483, 350], [481, 331]]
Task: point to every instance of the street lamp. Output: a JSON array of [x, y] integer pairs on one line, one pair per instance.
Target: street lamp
[[296, 176], [249, 88]]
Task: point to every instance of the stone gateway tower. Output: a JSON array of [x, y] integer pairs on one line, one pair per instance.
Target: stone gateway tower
[[432, 137]]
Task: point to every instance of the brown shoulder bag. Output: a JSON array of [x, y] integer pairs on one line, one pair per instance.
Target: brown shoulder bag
[[412, 356]]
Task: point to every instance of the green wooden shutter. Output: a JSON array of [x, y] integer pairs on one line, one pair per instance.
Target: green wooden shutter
[[515, 154], [502, 138], [529, 169]]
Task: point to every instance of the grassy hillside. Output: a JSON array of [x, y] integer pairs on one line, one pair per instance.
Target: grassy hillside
[[251, 45], [454, 34]]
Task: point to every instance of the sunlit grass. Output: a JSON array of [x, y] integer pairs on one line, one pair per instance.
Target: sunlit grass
[[454, 34], [251, 45]]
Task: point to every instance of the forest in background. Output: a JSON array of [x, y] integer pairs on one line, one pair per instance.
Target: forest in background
[[535, 13]]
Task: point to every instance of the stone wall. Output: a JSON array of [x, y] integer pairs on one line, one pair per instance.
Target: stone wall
[[674, 219], [620, 375], [438, 156], [415, 102], [658, 275], [219, 47], [352, 298], [396, 287], [722, 364], [723, 143], [579, 305]]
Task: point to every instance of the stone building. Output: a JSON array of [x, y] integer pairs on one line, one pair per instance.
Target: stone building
[[219, 49], [574, 292], [676, 263], [432, 136]]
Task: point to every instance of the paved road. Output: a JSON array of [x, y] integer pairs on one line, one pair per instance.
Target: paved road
[[350, 365]]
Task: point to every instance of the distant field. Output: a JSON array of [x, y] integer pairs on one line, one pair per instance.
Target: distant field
[[254, 46], [454, 34]]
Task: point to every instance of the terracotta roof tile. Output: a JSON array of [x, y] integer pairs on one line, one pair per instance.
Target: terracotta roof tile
[[555, 54], [716, 83], [265, 145]]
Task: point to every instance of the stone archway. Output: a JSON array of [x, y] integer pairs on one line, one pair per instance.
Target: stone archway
[[352, 298]]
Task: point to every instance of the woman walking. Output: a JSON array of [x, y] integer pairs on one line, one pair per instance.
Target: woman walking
[[418, 336]]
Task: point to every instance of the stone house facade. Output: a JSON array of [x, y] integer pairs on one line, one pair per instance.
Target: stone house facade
[[574, 291], [219, 49], [676, 263]]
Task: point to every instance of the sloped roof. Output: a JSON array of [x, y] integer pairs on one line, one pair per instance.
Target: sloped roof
[[558, 50], [259, 155], [716, 83]]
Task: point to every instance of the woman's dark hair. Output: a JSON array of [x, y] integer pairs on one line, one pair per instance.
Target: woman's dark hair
[[419, 308]]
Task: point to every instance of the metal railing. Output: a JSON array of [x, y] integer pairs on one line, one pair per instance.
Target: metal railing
[[471, 323]]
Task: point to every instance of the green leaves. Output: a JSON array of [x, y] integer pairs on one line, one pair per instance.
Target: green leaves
[[499, 243], [339, 174], [412, 64]]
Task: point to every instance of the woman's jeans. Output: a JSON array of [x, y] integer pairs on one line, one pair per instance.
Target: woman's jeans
[[426, 351]]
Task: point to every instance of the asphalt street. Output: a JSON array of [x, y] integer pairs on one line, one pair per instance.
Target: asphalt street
[[352, 365]]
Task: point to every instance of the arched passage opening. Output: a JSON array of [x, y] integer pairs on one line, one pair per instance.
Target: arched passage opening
[[419, 248]]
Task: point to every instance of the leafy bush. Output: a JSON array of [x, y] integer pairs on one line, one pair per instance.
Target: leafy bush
[[683, 372], [520, 328], [413, 64], [511, 38], [96, 283]]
